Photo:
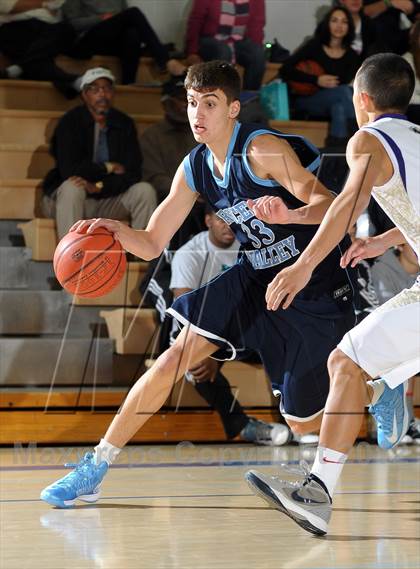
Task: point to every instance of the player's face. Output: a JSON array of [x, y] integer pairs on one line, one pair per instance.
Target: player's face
[[220, 233], [209, 114], [98, 96], [339, 25]]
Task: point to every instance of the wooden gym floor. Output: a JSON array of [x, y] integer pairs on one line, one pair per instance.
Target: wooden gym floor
[[187, 506]]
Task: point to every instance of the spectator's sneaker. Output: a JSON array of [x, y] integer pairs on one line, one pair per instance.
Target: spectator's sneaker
[[391, 415], [81, 484], [306, 502], [261, 433], [412, 436]]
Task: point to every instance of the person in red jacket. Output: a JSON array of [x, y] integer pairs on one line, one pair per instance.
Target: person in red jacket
[[231, 30]]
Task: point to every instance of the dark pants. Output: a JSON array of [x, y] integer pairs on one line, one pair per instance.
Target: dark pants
[[247, 53], [33, 45], [336, 103], [219, 396], [123, 36]]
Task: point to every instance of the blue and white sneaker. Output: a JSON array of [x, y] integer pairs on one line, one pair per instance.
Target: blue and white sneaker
[[81, 484], [391, 415]]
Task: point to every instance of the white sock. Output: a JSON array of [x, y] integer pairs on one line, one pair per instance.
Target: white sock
[[328, 465], [378, 387], [106, 452], [14, 71]]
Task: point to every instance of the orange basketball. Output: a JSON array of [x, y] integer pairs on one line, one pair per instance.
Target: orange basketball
[[312, 68], [89, 264]]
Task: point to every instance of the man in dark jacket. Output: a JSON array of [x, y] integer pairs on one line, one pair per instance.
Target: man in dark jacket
[[98, 162]]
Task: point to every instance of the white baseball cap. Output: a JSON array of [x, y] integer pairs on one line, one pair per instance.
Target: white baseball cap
[[92, 75]]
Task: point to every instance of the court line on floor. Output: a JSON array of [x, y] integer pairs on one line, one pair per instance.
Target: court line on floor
[[165, 496], [210, 464]]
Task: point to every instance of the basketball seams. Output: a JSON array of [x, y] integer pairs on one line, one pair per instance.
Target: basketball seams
[[100, 274], [84, 267], [88, 293], [81, 238]]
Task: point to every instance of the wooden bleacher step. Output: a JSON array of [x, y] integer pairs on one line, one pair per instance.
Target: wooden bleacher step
[[315, 131], [21, 161], [42, 95], [134, 330], [46, 360], [126, 293], [41, 237], [74, 416], [19, 198], [36, 127], [18, 271], [147, 71]]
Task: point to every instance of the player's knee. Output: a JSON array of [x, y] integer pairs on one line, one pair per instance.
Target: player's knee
[[341, 368], [299, 427], [305, 427], [168, 365]]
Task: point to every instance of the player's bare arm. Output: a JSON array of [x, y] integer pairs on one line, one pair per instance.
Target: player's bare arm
[[369, 166], [371, 247], [274, 158], [166, 219]]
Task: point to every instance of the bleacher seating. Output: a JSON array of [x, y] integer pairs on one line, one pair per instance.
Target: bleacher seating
[[29, 111]]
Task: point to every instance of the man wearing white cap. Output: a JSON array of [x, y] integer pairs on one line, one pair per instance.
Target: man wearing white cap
[[98, 161]]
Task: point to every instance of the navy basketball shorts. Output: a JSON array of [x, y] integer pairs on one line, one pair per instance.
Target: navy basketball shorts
[[294, 344]]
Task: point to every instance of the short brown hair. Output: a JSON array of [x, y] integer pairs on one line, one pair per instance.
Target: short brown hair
[[213, 75]]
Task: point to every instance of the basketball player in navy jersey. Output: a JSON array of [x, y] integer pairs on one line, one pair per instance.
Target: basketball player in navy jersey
[[262, 184], [384, 161]]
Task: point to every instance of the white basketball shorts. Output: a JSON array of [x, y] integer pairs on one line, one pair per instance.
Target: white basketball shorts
[[386, 343]]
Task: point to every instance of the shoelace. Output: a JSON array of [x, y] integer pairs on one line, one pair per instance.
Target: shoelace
[[387, 416], [302, 470], [78, 465], [82, 473]]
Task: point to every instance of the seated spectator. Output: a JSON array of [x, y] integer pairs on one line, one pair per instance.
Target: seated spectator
[[109, 27], [229, 30], [394, 271], [201, 259], [31, 35], [413, 58], [364, 29], [98, 162], [388, 17], [164, 144], [333, 64]]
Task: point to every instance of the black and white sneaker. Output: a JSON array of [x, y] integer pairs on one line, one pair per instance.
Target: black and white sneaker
[[262, 433], [306, 502]]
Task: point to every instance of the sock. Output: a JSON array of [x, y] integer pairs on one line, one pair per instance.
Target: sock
[[14, 71], [378, 387], [327, 466], [106, 452]]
